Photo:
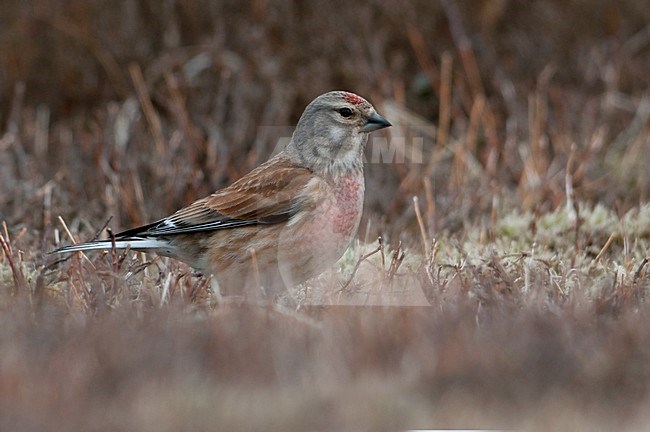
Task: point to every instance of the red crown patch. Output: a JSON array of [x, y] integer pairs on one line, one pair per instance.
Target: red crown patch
[[353, 99]]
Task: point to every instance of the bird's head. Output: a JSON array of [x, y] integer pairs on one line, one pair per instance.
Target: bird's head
[[332, 132]]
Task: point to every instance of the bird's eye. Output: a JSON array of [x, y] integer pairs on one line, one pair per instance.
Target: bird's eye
[[345, 112]]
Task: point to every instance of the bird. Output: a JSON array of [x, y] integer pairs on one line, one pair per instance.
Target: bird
[[284, 222]]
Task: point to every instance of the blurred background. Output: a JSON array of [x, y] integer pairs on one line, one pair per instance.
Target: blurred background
[[133, 109], [522, 127]]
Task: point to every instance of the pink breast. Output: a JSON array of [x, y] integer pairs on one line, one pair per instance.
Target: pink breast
[[338, 217], [347, 205], [317, 242]]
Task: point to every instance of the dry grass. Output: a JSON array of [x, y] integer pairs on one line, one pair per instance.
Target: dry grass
[[510, 293]]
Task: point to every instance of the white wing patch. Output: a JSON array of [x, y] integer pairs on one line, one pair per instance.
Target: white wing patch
[[167, 223]]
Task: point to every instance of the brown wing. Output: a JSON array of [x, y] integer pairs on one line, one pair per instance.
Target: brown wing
[[268, 194], [267, 191]]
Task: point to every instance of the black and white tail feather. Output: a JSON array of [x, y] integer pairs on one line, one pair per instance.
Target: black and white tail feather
[[134, 243], [156, 236]]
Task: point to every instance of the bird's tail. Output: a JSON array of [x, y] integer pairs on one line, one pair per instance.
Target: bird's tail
[[133, 243]]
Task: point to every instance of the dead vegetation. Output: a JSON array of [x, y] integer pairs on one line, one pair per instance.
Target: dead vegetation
[[509, 288]]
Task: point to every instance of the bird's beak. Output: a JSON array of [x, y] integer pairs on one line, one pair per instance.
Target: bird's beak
[[375, 122]]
